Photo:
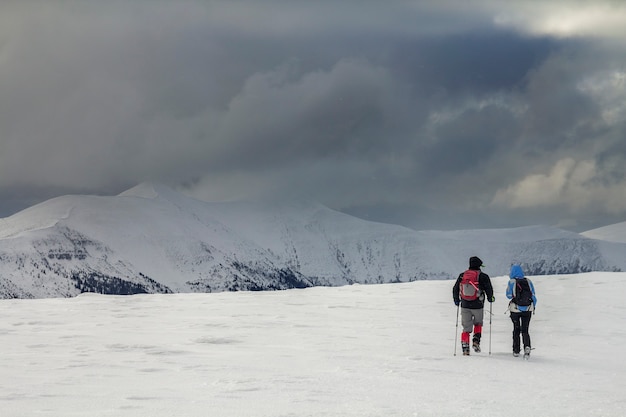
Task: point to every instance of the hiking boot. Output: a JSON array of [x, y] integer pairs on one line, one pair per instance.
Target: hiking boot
[[527, 352], [476, 346], [516, 354], [466, 350]]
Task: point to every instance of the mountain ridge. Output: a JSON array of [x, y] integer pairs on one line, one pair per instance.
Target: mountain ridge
[[151, 238]]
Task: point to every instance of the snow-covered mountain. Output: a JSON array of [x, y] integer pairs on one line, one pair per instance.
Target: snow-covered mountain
[[153, 239]]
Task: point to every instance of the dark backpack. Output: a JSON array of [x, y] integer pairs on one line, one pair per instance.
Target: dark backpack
[[523, 294], [468, 290]]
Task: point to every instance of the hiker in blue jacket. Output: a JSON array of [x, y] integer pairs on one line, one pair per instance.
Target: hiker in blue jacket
[[521, 291]]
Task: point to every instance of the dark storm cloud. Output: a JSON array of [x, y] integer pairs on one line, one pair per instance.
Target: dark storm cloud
[[472, 138], [342, 111], [553, 115], [478, 61], [394, 111]]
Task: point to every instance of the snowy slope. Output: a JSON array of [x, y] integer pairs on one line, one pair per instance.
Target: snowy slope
[[153, 239], [360, 350], [611, 233]]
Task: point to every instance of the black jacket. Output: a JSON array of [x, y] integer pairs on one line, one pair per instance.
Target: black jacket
[[484, 284]]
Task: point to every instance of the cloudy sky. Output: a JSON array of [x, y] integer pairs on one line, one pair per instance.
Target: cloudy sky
[[431, 114]]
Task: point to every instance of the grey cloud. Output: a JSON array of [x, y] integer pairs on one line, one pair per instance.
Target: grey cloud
[[394, 111], [471, 139], [480, 61], [556, 105], [340, 111]]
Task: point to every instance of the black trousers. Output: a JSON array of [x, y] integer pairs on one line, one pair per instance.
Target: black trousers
[[521, 321]]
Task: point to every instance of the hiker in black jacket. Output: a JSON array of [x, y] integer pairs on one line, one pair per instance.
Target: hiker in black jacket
[[469, 291]]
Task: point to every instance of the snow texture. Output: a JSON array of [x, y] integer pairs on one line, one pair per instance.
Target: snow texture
[[359, 350]]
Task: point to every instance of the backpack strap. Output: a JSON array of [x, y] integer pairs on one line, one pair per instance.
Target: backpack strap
[[475, 285]]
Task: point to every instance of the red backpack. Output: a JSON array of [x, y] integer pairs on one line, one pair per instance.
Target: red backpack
[[469, 290]]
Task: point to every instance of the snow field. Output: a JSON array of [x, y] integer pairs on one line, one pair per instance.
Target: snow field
[[361, 350]]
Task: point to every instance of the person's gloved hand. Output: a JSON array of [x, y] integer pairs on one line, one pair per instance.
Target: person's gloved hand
[[492, 299], [456, 303]]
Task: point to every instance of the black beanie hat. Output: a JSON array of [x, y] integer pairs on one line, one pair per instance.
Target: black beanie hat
[[475, 262]]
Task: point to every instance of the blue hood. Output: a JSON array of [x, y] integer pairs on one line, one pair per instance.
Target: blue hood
[[516, 272]]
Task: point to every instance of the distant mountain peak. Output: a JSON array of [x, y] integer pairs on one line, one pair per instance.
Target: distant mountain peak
[[149, 190]]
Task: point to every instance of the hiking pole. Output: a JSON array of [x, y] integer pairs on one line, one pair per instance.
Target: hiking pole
[[490, 314], [456, 331]]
